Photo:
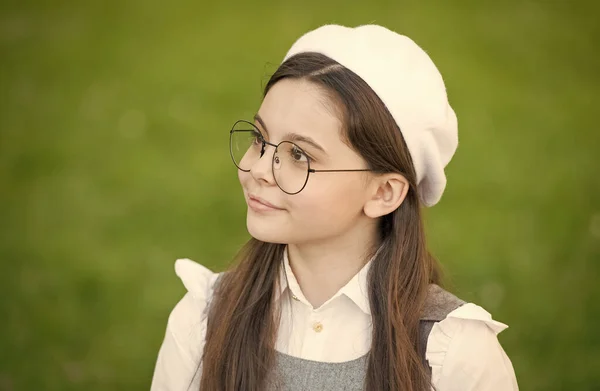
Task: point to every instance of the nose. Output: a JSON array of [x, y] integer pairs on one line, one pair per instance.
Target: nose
[[262, 170]]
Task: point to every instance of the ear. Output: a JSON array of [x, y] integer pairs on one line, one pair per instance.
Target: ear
[[386, 194]]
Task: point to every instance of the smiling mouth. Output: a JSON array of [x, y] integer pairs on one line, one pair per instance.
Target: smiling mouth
[[259, 205]]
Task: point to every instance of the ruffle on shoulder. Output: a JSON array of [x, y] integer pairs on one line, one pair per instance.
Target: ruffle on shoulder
[[186, 328], [197, 279], [178, 364], [467, 320], [472, 311]]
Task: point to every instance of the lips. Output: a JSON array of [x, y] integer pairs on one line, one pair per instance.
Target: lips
[[260, 204]]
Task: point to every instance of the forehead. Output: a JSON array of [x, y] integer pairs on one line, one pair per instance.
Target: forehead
[[301, 107]]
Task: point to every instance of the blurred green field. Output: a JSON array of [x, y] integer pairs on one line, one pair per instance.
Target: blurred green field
[[114, 120]]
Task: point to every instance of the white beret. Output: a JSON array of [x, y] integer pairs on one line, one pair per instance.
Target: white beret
[[410, 86]]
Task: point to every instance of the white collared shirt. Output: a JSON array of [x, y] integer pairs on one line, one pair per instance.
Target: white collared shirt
[[462, 350], [343, 321]]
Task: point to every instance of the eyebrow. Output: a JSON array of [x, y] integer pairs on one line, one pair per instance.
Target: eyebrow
[[294, 137]]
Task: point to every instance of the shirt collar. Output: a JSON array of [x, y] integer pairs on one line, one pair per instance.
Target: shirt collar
[[356, 289]]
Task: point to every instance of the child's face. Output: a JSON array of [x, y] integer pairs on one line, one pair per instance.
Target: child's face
[[331, 203]]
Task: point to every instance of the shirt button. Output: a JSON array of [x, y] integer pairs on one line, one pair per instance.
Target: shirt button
[[318, 327]]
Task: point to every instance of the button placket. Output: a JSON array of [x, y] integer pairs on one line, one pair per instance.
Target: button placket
[[313, 337]]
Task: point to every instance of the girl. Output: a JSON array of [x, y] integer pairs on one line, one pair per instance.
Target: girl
[[336, 289]]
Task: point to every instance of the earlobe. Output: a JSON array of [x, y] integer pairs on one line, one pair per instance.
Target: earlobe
[[388, 193]]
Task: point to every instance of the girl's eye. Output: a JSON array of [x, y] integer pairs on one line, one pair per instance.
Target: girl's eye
[[256, 138], [298, 155]]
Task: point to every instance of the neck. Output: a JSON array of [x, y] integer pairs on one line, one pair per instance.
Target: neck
[[323, 268]]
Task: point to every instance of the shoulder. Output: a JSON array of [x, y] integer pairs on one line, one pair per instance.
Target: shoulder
[[464, 352], [187, 321], [181, 350]]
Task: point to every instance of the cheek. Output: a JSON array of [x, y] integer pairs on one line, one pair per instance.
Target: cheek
[[329, 201], [326, 207]]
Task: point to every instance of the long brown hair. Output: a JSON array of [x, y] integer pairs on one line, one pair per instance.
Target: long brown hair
[[239, 352]]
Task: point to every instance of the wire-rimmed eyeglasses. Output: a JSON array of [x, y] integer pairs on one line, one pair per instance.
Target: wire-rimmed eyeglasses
[[290, 164]]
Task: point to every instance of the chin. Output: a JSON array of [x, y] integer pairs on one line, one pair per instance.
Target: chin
[[266, 231], [267, 235]]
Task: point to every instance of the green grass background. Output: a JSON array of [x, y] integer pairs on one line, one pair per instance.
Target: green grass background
[[114, 118]]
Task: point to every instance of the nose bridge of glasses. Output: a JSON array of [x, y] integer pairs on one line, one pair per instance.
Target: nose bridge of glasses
[[266, 143], [266, 162], [273, 153]]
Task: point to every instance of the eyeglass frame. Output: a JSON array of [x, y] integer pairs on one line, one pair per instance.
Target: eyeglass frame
[[262, 152]]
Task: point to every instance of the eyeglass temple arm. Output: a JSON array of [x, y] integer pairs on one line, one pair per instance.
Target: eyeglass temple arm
[[313, 170]]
